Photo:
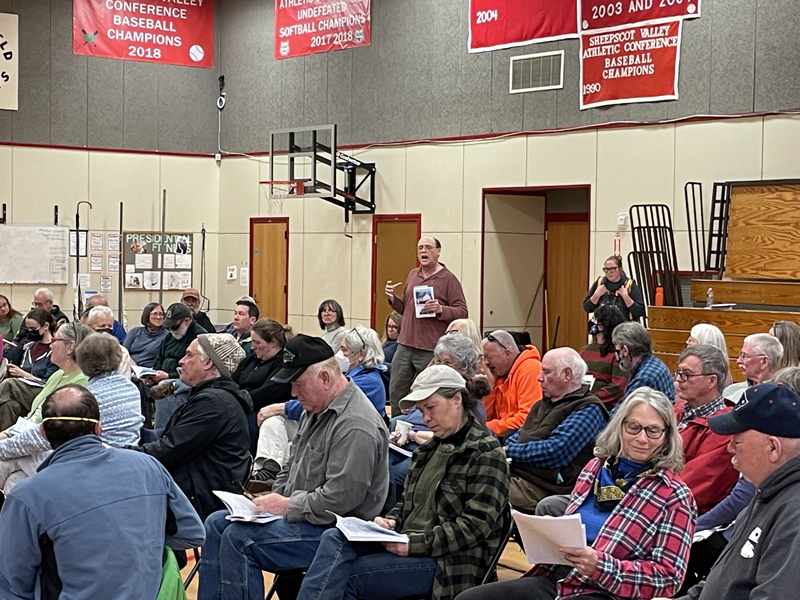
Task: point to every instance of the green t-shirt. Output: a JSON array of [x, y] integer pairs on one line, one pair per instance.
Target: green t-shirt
[[56, 380], [9, 328]]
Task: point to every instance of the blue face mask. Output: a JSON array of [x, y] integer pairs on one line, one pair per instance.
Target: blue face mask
[[593, 328]]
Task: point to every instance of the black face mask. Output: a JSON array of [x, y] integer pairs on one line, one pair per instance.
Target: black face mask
[[34, 335], [106, 330]]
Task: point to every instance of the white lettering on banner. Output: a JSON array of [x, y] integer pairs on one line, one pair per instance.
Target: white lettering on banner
[[295, 3], [144, 23], [146, 9], [144, 38]]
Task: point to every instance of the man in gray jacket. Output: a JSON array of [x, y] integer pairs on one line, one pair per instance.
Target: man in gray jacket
[[338, 464], [761, 560]]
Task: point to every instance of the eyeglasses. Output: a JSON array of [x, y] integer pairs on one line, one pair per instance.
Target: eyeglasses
[[633, 428], [392, 327], [37, 304], [610, 269], [745, 356], [363, 343], [618, 353], [491, 338], [55, 339], [686, 375], [156, 315]]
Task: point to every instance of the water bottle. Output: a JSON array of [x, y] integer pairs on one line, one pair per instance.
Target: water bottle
[[710, 297]]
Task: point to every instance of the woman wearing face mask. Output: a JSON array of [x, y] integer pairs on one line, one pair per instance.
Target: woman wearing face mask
[[362, 349], [30, 361], [609, 378], [101, 319]]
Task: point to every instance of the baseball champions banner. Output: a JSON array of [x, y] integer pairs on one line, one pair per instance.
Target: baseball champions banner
[[600, 14], [170, 32], [630, 64], [9, 61], [495, 24], [312, 26]]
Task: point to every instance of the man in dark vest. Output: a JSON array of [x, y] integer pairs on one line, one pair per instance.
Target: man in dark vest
[[557, 438]]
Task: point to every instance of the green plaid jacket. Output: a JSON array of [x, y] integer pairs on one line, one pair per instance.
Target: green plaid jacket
[[468, 518]]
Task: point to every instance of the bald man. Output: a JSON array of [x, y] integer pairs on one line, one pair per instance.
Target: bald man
[[557, 438], [419, 334]]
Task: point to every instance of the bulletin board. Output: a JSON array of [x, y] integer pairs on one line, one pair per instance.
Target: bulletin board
[[154, 261]]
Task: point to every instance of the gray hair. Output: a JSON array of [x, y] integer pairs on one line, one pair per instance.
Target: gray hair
[[363, 339], [670, 456], [768, 345], [712, 362], [461, 350], [205, 357], [48, 295], [100, 311], [705, 333], [331, 365], [567, 358], [790, 377], [74, 332], [634, 336]]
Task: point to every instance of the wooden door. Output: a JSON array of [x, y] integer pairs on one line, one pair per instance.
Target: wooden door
[[394, 254], [566, 282], [269, 266]]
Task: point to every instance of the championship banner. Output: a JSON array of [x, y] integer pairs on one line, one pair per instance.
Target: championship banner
[[312, 26], [495, 24], [9, 61], [630, 64], [168, 32], [601, 14]]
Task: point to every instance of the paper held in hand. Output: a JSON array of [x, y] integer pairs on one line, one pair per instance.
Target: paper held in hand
[[140, 372], [543, 536], [359, 530], [243, 509], [422, 293]]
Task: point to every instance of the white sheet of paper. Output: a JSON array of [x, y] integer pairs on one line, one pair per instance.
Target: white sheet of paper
[[244, 277], [129, 269], [183, 261], [359, 530], [542, 536], [152, 280], [243, 509], [113, 242], [105, 284], [144, 261], [422, 293], [96, 262], [169, 261], [97, 242], [113, 263]]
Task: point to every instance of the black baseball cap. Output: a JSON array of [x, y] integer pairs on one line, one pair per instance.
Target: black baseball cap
[[175, 314], [770, 408], [301, 352]]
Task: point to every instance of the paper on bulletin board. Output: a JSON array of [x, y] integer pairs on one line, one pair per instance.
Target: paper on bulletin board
[[113, 242], [152, 280], [113, 263], [183, 261], [169, 261], [133, 280], [97, 242], [96, 262], [105, 284], [143, 261]]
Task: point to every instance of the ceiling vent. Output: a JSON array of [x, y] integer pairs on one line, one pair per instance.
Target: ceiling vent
[[537, 72]]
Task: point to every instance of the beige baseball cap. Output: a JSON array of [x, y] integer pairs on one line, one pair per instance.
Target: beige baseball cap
[[430, 380]]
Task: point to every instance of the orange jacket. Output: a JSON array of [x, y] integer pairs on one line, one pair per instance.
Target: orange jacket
[[508, 404]]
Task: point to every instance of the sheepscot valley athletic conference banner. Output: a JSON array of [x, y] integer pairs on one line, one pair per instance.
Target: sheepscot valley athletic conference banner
[[497, 24], [630, 64], [600, 14], [170, 32], [312, 26]]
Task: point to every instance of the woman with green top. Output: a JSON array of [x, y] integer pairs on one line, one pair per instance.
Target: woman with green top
[[10, 319], [63, 345]]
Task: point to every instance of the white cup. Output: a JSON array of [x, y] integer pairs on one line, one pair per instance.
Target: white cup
[[402, 429]]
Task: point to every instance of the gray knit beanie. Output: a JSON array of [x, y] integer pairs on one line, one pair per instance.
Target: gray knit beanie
[[223, 350]]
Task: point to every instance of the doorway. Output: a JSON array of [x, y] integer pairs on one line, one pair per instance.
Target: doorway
[[269, 266], [394, 254]]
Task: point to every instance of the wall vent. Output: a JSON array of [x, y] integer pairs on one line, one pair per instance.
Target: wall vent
[[537, 72]]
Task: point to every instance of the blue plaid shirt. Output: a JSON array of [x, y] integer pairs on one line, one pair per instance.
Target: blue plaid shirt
[[565, 442], [651, 372]]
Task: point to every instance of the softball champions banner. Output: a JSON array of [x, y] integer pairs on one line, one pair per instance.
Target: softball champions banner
[[495, 24], [170, 32], [600, 14], [9, 61], [312, 26], [630, 64]]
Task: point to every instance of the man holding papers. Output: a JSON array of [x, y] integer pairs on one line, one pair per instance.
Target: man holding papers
[[639, 516], [338, 464], [452, 510]]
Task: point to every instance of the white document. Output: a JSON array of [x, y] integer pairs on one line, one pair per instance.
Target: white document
[[169, 261], [142, 371], [422, 293], [152, 280], [113, 242], [96, 262], [183, 261], [400, 449], [21, 425], [105, 284], [143, 261], [243, 509], [543, 536], [37, 383], [97, 242], [359, 530], [244, 277]]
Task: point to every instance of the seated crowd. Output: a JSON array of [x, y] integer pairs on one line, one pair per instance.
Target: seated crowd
[[109, 476]]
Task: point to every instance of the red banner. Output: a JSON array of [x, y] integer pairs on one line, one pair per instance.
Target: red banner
[[170, 32], [630, 64], [312, 26], [497, 24], [599, 14]]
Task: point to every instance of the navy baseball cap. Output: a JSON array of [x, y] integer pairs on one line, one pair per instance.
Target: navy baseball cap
[[770, 408], [301, 352]]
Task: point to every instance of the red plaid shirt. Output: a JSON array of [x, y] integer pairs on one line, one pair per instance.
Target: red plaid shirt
[[644, 545]]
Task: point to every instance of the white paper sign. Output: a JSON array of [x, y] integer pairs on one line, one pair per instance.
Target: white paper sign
[[97, 242], [85, 280], [244, 277], [105, 284], [133, 280], [152, 280], [96, 262], [231, 273], [144, 261], [113, 263], [9, 61], [169, 261], [113, 242], [183, 261]]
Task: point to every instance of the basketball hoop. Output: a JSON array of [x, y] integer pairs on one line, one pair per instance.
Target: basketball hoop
[[278, 190]]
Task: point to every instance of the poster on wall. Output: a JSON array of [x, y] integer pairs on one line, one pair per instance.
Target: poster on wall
[[630, 64], [9, 61], [153, 261], [169, 33], [601, 14], [495, 24], [303, 27]]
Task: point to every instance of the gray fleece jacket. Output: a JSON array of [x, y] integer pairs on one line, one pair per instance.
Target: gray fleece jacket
[[762, 559]]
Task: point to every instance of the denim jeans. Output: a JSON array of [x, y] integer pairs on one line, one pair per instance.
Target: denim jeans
[[235, 554], [398, 468], [364, 571]]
